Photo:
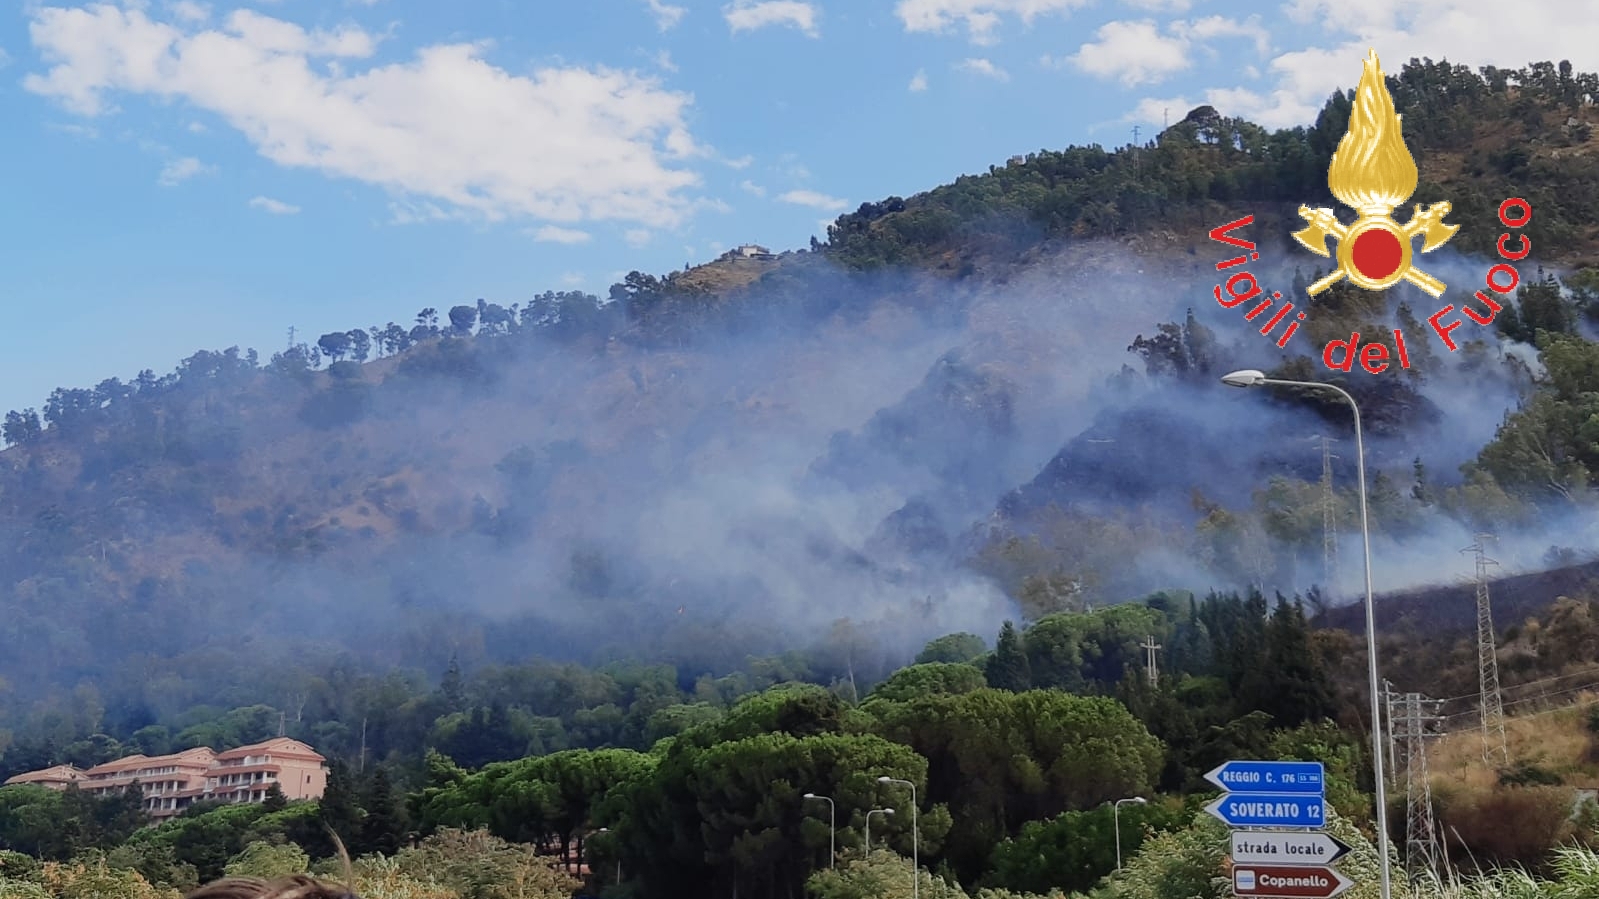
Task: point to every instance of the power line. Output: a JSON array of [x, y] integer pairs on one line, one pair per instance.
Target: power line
[[1587, 672], [1541, 697]]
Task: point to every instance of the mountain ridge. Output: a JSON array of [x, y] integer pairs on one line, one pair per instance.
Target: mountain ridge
[[538, 454]]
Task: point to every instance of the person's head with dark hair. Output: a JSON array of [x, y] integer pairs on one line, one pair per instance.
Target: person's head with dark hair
[[293, 886]]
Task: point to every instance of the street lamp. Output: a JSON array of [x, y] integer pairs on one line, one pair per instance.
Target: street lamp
[[1115, 816], [916, 839], [618, 855], [885, 812], [832, 825], [1254, 378]]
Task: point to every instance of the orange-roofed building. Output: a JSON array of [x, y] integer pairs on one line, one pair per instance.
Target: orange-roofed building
[[171, 783], [55, 778], [245, 774]]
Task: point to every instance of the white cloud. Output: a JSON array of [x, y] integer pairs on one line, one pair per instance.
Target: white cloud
[[554, 234], [276, 207], [1220, 26], [1136, 52], [751, 187], [1159, 5], [980, 17], [1132, 53], [447, 132], [190, 11], [180, 170], [984, 68], [1477, 33], [5, 58], [814, 200], [789, 166], [666, 15], [750, 15], [743, 162], [637, 237], [573, 279], [664, 61], [918, 81], [85, 131], [196, 128]]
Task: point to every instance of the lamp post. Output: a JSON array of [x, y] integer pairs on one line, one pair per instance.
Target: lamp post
[[916, 839], [885, 812], [618, 855], [1115, 816], [1255, 378], [832, 826]]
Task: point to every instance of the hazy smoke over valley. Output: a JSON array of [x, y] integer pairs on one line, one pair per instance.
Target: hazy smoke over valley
[[743, 492]]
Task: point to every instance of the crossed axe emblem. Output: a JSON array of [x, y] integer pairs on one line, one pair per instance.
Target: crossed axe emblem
[[1321, 223]]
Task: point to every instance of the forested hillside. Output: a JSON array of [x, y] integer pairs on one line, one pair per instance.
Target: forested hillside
[[607, 521]]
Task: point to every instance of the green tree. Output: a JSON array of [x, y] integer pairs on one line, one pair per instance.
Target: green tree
[[384, 827], [956, 648], [1007, 667], [268, 860], [339, 808], [926, 679]]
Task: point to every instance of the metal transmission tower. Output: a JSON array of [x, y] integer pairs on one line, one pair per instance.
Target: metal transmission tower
[[1494, 750], [1149, 646], [1422, 848]]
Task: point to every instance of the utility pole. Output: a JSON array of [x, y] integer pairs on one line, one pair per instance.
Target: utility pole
[[1165, 118], [1494, 749], [283, 721], [1149, 646], [361, 763], [1135, 151], [1421, 840], [291, 337], [1388, 699]]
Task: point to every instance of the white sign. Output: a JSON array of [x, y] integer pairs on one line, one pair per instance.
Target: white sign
[[1265, 847]]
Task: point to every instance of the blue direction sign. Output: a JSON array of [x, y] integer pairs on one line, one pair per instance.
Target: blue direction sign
[[1270, 810], [1306, 778]]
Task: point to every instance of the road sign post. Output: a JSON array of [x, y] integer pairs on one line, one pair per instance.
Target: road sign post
[[1291, 861], [1289, 881], [1270, 810], [1268, 847], [1308, 778]]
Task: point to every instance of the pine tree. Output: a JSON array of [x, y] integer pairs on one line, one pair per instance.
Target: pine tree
[[275, 801], [453, 686], [339, 809], [384, 828], [1301, 690], [1007, 667], [1422, 491]]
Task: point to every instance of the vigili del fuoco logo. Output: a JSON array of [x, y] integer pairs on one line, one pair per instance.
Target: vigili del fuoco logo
[[1372, 173]]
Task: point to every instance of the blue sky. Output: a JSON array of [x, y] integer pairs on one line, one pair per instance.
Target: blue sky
[[189, 176]]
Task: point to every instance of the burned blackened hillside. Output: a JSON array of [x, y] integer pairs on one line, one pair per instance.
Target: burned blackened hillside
[[945, 444]]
